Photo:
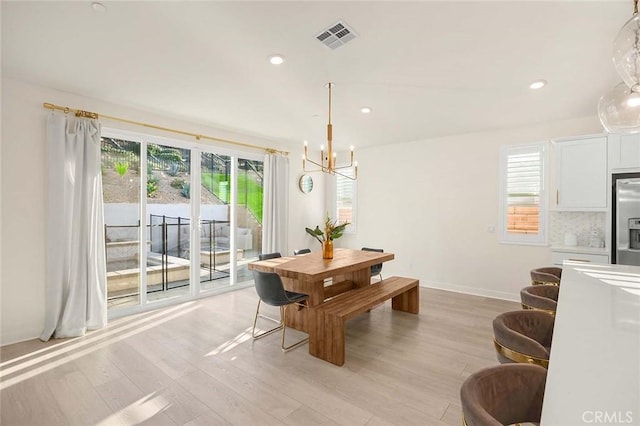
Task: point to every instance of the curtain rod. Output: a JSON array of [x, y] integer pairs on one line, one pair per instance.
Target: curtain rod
[[94, 115]]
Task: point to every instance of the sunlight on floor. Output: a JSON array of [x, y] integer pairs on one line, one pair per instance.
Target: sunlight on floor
[[95, 342], [232, 343], [138, 412]]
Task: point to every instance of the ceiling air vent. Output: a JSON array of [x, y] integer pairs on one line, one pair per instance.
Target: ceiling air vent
[[336, 35]]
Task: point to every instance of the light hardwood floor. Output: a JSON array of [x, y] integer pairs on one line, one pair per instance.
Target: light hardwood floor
[[195, 364]]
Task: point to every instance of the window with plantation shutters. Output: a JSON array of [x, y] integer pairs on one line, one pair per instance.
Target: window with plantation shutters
[[522, 194], [346, 200]]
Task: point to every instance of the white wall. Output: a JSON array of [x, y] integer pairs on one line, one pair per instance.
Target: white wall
[[23, 194], [305, 210], [430, 202]]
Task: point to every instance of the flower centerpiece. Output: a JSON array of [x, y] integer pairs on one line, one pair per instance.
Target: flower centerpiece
[[332, 231]]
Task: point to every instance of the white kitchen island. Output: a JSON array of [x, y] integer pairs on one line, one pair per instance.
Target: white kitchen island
[[594, 367]]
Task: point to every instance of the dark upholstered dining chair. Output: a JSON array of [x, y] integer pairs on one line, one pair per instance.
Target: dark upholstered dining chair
[[266, 256], [377, 268], [301, 251], [271, 291], [550, 275], [523, 336], [503, 395], [540, 297]]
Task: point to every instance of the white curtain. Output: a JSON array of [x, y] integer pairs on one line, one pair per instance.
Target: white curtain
[[276, 204], [76, 269]]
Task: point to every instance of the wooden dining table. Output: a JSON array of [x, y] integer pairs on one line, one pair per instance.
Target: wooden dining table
[[309, 274]]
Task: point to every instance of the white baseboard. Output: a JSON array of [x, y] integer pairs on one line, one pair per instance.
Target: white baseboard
[[503, 295], [19, 336]]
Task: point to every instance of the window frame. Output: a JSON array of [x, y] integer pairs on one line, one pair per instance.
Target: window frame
[[196, 148], [352, 227], [541, 238]]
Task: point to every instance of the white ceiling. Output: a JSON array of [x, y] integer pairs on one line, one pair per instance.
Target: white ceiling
[[427, 69]]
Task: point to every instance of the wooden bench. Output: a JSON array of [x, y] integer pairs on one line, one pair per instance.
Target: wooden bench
[[327, 321]]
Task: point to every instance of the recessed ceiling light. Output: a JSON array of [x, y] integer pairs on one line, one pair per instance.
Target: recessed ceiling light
[[365, 110], [276, 59], [538, 84], [98, 7]]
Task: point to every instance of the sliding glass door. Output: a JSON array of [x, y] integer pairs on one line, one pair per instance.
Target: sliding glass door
[[189, 217], [215, 221], [121, 195], [168, 183], [231, 219], [249, 178]]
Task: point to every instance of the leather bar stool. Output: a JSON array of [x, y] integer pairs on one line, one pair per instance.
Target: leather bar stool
[[550, 275], [503, 395], [540, 297], [523, 336]]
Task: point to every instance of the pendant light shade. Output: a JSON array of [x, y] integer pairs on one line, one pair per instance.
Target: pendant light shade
[[626, 53], [619, 110]]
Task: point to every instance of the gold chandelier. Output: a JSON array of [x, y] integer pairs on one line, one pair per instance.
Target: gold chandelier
[[329, 159]]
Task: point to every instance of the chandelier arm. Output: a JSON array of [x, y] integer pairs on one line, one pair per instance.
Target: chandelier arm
[[304, 169], [325, 167], [313, 162], [335, 172], [346, 166], [321, 165]]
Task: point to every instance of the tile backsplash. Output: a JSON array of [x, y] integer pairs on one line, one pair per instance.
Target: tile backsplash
[[578, 223]]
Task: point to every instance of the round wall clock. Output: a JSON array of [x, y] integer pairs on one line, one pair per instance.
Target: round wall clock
[[305, 184]]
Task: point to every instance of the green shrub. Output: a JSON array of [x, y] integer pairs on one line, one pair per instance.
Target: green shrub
[[152, 187], [186, 190], [166, 154], [174, 169], [121, 168], [152, 184], [178, 183]]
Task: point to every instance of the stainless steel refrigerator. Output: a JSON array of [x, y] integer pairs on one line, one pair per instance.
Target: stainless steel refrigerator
[[626, 219]]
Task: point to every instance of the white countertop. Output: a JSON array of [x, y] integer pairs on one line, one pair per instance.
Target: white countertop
[[594, 367], [581, 249]]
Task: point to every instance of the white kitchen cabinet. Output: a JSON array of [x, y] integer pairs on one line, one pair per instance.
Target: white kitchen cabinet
[[581, 173], [624, 152], [598, 256]]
